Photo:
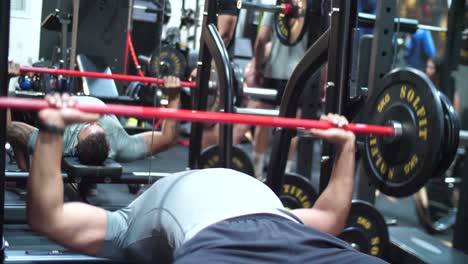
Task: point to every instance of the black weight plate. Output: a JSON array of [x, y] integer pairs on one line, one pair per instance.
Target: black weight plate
[[148, 96], [365, 220], [131, 89], [451, 138], [169, 62], [290, 29], [238, 84], [402, 166], [214, 98], [297, 192], [356, 238], [210, 158]]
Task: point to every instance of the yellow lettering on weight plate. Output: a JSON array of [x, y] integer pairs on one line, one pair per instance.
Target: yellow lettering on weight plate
[[383, 168], [375, 241], [293, 189], [374, 152], [237, 163], [423, 128], [410, 96], [375, 251], [383, 103], [391, 173], [307, 204], [403, 92], [299, 192], [416, 102], [364, 222], [423, 133], [411, 164], [421, 112], [379, 160]]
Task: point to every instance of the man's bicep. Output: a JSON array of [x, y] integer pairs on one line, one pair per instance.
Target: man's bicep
[[317, 219], [80, 227], [226, 26], [19, 132]]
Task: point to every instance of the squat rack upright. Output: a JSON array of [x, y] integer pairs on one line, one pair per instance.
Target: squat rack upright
[[4, 47]]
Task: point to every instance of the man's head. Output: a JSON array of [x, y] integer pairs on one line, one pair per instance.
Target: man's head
[[92, 147]]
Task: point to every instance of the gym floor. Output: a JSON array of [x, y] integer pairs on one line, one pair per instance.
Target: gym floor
[[402, 210]]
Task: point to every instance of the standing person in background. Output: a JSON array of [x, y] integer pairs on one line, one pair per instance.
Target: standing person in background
[[272, 72], [433, 70], [420, 48], [227, 21]]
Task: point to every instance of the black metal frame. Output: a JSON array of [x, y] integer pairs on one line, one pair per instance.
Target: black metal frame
[[339, 58], [226, 84], [456, 15], [334, 46], [453, 43], [381, 60], [4, 48], [212, 47]]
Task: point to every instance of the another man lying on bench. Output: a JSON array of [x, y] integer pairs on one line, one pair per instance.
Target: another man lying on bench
[[94, 142]]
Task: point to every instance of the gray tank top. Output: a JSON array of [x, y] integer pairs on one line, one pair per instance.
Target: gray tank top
[[176, 208]]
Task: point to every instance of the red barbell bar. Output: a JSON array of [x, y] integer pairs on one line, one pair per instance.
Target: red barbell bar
[[120, 77], [198, 116]]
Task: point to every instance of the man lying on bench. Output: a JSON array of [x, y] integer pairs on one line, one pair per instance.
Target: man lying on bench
[[198, 216], [94, 142]]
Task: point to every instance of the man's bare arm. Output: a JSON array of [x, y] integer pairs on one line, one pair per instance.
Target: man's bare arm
[[332, 207], [263, 37], [157, 142], [18, 134], [77, 226], [160, 141], [226, 27]]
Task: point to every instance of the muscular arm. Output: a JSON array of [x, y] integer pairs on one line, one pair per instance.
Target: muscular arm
[[162, 140], [18, 134], [263, 38], [226, 27], [332, 207], [77, 226]]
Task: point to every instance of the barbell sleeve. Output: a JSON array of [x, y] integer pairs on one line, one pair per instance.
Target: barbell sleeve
[[198, 116], [120, 77]]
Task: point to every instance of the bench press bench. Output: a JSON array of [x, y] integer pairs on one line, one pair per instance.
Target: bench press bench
[[26, 246], [111, 173]]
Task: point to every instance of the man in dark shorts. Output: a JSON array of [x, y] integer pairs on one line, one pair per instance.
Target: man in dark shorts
[[201, 216], [106, 138]]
